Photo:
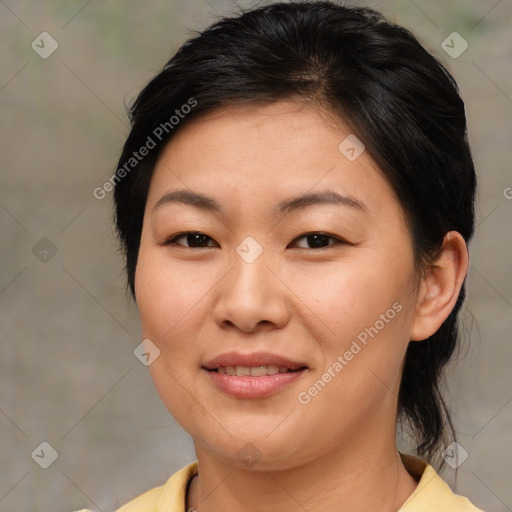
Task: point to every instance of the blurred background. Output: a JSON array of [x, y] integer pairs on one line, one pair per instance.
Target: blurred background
[[68, 374]]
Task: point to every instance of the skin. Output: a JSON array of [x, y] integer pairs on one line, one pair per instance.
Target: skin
[[338, 452]]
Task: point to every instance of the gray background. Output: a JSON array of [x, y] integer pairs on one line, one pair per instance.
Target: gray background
[[68, 375]]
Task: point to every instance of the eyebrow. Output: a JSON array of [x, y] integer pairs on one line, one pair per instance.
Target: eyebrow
[[289, 205], [325, 197]]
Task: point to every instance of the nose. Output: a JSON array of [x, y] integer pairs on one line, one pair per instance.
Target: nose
[[251, 298]]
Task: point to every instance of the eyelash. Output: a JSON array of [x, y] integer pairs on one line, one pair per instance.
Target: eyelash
[[337, 240]]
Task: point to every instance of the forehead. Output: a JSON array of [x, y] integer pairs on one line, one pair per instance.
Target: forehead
[[254, 154]]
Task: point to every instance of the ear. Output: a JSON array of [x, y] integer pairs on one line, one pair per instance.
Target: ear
[[440, 287]]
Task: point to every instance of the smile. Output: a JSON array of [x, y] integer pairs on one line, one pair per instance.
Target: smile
[[254, 371], [252, 376]]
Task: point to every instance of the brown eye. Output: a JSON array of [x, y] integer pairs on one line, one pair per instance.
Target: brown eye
[[194, 239], [319, 240]]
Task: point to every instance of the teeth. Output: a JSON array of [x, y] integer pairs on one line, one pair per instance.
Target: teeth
[[256, 371], [243, 371], [253, 371], [273, 369]]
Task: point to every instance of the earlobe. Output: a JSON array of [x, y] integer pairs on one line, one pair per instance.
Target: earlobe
[[440, 287]]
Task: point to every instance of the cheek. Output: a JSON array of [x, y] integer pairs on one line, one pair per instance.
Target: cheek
[[167, 296], [346, 299], [363, 311], [366, 314]]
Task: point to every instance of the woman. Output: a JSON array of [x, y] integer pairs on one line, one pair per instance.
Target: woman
[[295, 200]]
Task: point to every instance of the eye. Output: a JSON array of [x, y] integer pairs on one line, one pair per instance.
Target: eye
[[194, 239], [319, 240]]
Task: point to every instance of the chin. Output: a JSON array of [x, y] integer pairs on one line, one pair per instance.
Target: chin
[[254, 451]]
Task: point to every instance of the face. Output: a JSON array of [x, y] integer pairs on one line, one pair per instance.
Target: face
[[276, 277]]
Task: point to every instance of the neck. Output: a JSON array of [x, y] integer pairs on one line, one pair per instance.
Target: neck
[[362, 478]]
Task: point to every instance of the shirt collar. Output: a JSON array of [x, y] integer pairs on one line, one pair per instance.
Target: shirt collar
[[431, 489]]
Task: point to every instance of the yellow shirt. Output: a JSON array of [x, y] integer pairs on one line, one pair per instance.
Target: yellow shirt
[[432, 494]]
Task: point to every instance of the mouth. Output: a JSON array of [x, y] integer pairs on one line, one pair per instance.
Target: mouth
[[254, 365], [255, 371], [253, 375]]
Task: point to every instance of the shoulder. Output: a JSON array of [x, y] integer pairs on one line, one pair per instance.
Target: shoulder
[[433, 494], [147, 502], [169, 497]]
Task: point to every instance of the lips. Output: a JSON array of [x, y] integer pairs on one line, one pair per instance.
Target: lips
[[234, 360], [253, 371], [252, 375]]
